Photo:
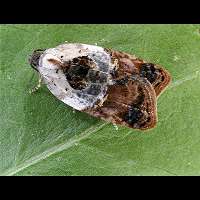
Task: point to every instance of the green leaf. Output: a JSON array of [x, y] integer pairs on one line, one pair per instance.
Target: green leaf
[[40, 135]]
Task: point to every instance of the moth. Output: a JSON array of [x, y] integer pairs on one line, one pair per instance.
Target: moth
[[111, 85]]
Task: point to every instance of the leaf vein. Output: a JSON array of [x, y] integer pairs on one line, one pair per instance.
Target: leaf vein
[[53, 150]]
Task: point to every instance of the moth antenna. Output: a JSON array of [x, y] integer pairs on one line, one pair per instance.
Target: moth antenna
[[38, 86]]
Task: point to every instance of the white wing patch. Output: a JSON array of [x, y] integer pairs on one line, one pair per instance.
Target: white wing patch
[[56, 81]]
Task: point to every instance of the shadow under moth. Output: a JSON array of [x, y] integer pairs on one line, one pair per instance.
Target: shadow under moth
[[112, 85]]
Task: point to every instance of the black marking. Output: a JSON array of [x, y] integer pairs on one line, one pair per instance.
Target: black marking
[[122, 81], [148, 71], [82, 95], [78, 94], [93, 75], [94, 90], [148, 119], [76, 71], [96, 76], [76, 76], [114, 73], [103, 78], [76, 60], [133, 116]]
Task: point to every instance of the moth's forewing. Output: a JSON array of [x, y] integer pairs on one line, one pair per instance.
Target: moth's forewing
[[155, 74], [131, 103]]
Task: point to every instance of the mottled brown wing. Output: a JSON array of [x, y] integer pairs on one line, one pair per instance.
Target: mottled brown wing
[[155, 74], [131, 102]]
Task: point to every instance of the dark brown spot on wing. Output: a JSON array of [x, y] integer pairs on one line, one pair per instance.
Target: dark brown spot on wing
[[148, 70], [55, 62], [132, 104], [130, 64], [76, 71]]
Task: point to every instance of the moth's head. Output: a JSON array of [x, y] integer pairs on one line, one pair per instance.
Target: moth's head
[[34, 58]]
